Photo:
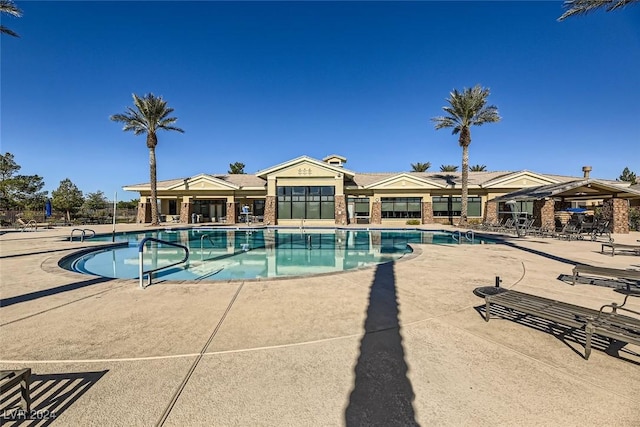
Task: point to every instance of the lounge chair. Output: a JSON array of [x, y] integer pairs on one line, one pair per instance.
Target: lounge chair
[[8, 379], [608, 324], [571, 231], [22, 226]]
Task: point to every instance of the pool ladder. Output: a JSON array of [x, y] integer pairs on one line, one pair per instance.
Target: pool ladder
[[83, 233], [149, 273], [469, 236]]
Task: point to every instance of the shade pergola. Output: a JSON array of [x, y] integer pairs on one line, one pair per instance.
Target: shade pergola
[[554, 197]]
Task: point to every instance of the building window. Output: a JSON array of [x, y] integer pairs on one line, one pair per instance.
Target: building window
[[317, 202], [173, 207], [522, 207], [401, 207], [452, 206], [258, 207], [360, 205]]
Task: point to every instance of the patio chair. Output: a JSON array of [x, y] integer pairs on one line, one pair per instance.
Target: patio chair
[[22, 226], [571, 231]]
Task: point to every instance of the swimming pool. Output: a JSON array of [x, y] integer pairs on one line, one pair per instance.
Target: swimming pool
[[240, 254]]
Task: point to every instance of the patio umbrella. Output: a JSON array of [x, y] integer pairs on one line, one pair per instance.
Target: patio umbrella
[[47, 209]]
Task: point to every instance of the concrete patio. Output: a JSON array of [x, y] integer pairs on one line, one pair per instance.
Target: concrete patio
[[403, 343]]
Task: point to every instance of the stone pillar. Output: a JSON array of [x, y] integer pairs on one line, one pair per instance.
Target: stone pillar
[[144, 212], [231, 213], [340, 210], [617, 211], [270, 210], [544, 213], [490, 213], [427, 212], [186, 209], [376, 213]]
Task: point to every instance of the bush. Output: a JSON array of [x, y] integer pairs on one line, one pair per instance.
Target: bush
[[634, 218], [413, 222]]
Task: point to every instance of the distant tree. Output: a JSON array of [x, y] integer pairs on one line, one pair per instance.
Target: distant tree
[[67, 198], [420, 167], [131, 204], [8, 7], [19, 191], [628, 176], [478, 168], [236, 168], [467, 108], [448, 168], [96, 201], [581, 7], [150, 115]]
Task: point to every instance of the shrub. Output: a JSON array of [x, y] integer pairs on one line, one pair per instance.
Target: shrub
[[413, 222], [634, 218]]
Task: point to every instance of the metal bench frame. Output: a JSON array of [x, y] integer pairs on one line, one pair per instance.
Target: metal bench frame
[[617, 273], [609, 324], [620, 247]]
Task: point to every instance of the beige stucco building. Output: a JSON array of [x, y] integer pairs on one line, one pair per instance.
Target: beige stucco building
[[312, 192]]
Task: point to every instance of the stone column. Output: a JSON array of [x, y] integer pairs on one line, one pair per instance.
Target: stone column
[[231, 213], [376, 213], [544, 213], [340, 210], [617, 211], [427, 212], [270, 210], [186, 209], [490, 213], [144, 212]]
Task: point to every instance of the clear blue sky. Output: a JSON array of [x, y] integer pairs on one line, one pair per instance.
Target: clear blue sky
[[262, 83]]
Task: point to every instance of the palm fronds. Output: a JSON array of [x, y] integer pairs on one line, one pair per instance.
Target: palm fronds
[[581, 7]]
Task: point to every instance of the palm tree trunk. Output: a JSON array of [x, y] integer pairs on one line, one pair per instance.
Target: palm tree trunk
[[154, 191], [465, 185]]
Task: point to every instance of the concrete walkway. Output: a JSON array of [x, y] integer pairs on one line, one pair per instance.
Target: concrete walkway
[[401, 344]]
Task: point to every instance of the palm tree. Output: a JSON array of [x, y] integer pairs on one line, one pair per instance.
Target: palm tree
[[151, 114], [7, 6], [580, 7], [467, 108], [420, 167], [236, 168], [478, 168], [448, 168]]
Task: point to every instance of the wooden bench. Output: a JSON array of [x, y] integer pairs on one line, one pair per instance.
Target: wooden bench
[[607, 324], [617, 273], [8, 379], [620, 247]]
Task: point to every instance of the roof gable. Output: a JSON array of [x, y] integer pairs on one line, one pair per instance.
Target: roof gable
[[203, 182], [304, 166], [519, 179], [404, 181]]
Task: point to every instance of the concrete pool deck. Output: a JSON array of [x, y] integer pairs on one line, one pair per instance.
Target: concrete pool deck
[[403, 343]]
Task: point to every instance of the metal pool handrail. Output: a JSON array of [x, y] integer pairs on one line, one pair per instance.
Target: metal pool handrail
[[469, 235], [208, 237], [150, 272], [83, 234]]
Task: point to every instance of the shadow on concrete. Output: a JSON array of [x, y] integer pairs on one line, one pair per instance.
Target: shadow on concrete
[[622, 284], [573, 338], [382, 393], [51, 395], [542, 254], [5, 302]]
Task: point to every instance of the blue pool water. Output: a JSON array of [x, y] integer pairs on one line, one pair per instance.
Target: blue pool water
[[236, 254]]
